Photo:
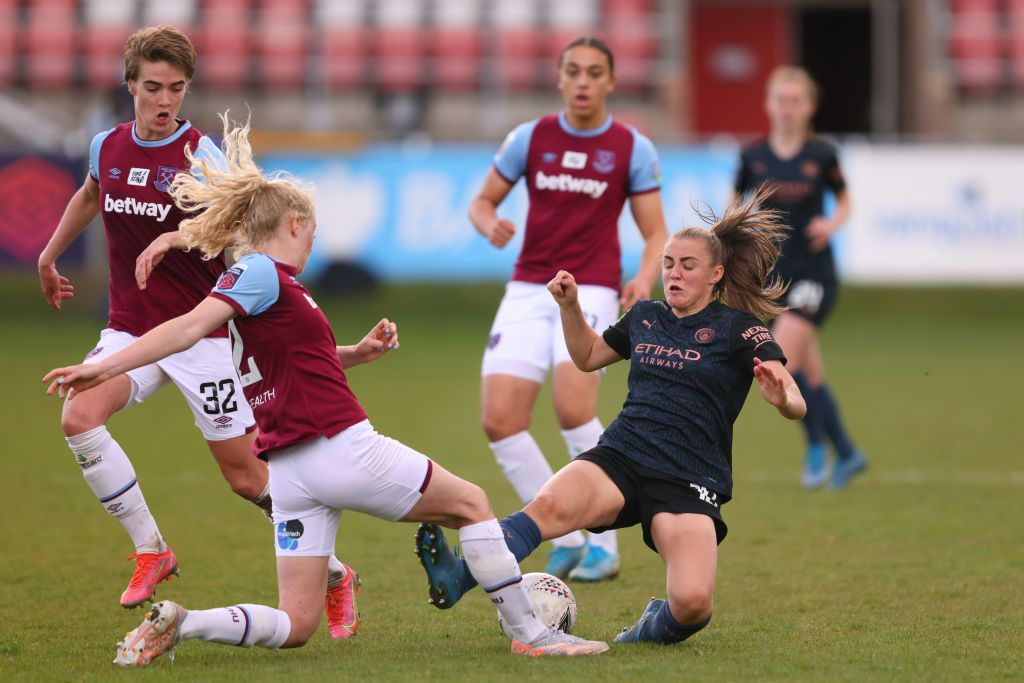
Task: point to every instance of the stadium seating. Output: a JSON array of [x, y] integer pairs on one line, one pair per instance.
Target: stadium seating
[[391, 46], [974, 42]]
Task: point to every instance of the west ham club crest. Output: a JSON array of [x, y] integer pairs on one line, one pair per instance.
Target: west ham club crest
[[164, 177], [604, 161]]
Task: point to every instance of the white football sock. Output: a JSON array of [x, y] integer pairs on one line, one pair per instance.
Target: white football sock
[[242, 625], [528, 470], [495, 568], [110, 475], [579, 440]]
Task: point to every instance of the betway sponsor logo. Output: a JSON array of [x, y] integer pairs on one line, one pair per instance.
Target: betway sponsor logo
[[570, 183], [135, 208]]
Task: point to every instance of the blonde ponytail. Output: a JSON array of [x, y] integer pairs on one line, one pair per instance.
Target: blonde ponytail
[[236, 206]]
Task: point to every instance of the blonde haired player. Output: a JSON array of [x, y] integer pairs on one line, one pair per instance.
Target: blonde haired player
[[323, 453], [131, 167]]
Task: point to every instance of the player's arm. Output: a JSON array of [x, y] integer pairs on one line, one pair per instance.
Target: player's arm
[[483, 210], [378, 341], [81, 210], [820, 229], [779, 388], [171, 337], [587, 348], [154, 253], [650, 219]]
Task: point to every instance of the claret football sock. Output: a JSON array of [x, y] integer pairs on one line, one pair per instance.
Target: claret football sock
[[497, 571], [110, 475], [241, 625]]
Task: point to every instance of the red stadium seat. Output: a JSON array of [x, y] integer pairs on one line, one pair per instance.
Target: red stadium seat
[[223, 43], [399, 45], [282, 40], [108, 23], [974, 45], [342, 42], [8, 42], [49, 40], [455, 45], [517, 42], [632, 34]]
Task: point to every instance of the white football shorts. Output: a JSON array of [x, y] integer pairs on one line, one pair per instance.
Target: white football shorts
[[205, 375], [526, 337], [357, 469]]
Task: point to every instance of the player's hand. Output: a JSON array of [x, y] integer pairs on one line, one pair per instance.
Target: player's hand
[[55, 286], [73, 379], [150, 257], [501, 233], [563, 288], [771, 385], [819, 232], [632, 292], [378, 341]]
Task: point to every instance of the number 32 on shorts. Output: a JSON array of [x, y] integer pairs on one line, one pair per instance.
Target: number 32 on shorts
[[219, 397]]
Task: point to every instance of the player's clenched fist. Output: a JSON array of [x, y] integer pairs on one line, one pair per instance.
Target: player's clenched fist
[[563, 288], [501, 232]]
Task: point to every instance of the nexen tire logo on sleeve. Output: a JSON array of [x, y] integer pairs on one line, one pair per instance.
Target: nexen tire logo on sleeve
[[136, 208], [570, 183]]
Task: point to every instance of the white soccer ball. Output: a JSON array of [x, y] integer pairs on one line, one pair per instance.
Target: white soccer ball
[[553, 602]]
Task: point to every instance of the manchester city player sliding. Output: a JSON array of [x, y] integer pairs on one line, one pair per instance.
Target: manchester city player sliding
[[665, 462]]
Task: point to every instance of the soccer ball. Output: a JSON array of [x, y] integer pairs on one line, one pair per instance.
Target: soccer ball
[[553, 602]]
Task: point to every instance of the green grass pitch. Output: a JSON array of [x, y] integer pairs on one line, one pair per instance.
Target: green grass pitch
[[914, 573]]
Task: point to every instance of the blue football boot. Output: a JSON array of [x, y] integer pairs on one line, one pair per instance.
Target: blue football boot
[[633, 633], [815, 471], [446, 573], [847, 468], [597, 565], [562, 560]]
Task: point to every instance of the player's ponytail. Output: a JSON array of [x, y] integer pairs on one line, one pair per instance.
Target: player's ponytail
[[746, 241], [236, 206]]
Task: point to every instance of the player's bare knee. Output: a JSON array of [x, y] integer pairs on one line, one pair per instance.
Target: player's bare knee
[[690, 603], [473, 506], [551, 514], [498, 426], [75, 420], [572, 417]]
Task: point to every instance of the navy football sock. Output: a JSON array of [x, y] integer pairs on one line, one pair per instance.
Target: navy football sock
[[522, 536], [833, 424], [663, 627], [813, 422]]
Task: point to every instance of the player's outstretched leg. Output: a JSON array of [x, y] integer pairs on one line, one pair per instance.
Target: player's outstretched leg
[[342, 611], [657, 625], [447, 574], [157, 634]]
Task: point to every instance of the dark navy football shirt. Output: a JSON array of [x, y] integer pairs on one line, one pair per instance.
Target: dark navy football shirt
[[798, 190], [688, 379]]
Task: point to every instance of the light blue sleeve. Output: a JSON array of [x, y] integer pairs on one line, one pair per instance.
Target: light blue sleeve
[[209, 152], [251, 284], [94, 153], [510, 161], [644, 168]]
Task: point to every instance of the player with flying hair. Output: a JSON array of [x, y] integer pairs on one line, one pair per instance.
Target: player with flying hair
[[580, 167], [665, 462], [131, 167], [799, 168], [324, 455]]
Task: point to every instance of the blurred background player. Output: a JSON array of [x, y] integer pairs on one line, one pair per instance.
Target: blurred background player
[[131, 167], [799, 169], [324, 455], [666, 461], [580, 168]]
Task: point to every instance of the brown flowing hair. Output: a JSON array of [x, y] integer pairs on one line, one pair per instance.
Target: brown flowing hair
[[747, 242], [236, 206]]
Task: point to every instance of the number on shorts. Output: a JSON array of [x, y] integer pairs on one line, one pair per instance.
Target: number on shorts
[[215, 405], [253, 374]]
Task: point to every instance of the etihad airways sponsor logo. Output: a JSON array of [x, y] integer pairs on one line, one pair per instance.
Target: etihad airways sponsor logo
[[570, 183], [665, 356], [136, 208]]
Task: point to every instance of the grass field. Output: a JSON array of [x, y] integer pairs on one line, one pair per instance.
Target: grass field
[[914, 573]]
